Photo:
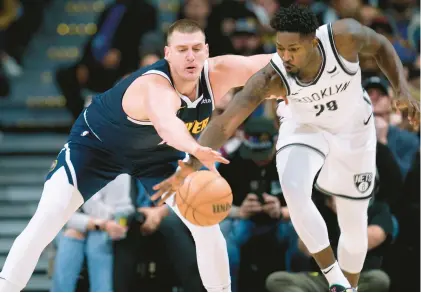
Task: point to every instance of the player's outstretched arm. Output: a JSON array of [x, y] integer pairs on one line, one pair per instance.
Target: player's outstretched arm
[[352, 38], [263, 84], [161, 104]]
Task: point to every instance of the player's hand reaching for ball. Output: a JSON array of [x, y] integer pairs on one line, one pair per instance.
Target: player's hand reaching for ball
[[405, 101], [169, 186], [208, 157]]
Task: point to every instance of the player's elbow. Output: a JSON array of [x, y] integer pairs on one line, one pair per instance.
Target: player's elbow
[[163, 131], [376, 236]]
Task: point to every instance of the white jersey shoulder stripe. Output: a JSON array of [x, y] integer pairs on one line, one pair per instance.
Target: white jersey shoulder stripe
[[335, 51], [279, 71]]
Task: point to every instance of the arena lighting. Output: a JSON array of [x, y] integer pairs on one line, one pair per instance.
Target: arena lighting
[[84, 7], [64, 29]]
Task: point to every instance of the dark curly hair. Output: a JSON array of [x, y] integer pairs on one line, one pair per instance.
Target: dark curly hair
[[295, 19]]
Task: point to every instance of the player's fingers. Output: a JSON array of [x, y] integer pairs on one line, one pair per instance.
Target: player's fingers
[[162, 201], [160, 184], [157, 186], [400, 105], [222, 160], [166, 195], [160, 193], [416, 105]]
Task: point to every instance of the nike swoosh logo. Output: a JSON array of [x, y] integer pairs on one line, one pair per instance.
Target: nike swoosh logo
[[332, 71], [366, 122], [325, 272]]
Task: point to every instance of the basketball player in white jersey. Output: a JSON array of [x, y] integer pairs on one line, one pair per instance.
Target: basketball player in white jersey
[[328, 126]]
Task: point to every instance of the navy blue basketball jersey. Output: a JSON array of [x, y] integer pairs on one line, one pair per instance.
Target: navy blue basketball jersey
[[137, 142]]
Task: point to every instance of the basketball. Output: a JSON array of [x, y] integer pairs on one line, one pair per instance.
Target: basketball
[[204, 199]]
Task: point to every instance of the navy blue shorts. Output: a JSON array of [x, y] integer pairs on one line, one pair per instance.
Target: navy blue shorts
[[90, 164], [87, 169]]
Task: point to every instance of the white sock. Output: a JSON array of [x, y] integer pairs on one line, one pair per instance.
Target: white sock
[[335, 276]]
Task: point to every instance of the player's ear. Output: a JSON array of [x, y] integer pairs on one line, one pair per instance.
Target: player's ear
[[207, 50], [166, 52], [315, 42]]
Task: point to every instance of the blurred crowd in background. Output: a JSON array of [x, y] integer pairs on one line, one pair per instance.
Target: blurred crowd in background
[[118, 242]]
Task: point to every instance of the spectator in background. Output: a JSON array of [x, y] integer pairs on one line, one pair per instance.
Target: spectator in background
[[110, 54], [402, 143], [372, 279], [401, 15], [389, 180], [406, 249], [245, 37], [258, 206], [149, 58], [8, 14], [222, 23], [29, 19], [382, 25], [265, 10], [197, 10], [88, 235], [180, 248], [333, 10]]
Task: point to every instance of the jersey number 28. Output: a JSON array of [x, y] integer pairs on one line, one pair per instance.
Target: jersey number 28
[[330, 106]]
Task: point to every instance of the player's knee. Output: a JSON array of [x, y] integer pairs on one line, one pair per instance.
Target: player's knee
[[355, 243], [297, 167], [59, 196], [353, 224], [354, 238], [296, 192]]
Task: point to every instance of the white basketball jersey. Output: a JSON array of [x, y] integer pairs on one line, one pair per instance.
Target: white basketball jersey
[[334, 96]]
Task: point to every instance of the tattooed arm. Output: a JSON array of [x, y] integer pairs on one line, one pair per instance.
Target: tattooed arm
[[261, 85], [352, 38]]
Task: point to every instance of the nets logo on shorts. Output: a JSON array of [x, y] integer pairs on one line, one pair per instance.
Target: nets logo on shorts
[[363, 181]]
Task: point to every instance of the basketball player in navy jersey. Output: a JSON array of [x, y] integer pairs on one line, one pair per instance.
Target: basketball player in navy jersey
[[141, 126], [327, 126]]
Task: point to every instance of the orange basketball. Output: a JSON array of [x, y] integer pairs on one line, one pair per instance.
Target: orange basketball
[[204, 199]]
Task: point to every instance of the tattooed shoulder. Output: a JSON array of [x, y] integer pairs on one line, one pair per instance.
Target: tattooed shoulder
[[262, 84]]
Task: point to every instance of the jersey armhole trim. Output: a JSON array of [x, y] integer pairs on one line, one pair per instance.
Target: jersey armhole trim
[[208, 83], [335, 51], [139, 122], [284, 80], [153, 71]]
